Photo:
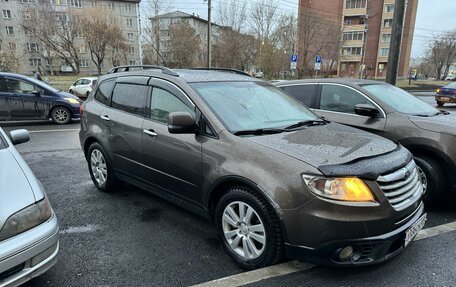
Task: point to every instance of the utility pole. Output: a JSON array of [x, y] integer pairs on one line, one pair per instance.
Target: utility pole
[[209, 34], [396, 41]]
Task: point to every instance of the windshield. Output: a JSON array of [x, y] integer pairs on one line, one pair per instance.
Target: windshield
[[43, 85], [451, 85], [252, 105], [400, 100]]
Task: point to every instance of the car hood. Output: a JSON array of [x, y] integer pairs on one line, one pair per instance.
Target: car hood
[[442, 123], [68, 95], [16, 191], [330, 144]]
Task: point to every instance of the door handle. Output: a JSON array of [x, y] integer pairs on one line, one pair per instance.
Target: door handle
[[106, 118], [151, 133]]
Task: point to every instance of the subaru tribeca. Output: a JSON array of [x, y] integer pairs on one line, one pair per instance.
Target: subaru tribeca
[[275, 179]]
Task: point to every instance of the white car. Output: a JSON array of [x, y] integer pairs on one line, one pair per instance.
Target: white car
[[82, 87], [29, 232]]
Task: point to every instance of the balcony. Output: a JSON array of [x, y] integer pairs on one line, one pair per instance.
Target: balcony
[[350, 58], [359, 27], [355, 12]]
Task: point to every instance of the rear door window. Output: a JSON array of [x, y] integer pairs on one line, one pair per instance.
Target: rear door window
[[305, 94], [103, 94], [19, 87], [130, 98], [85, 82], [340, 99]]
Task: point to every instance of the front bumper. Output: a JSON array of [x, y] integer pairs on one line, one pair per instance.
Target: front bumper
[[369, 250], [29, 254], [445, 98]]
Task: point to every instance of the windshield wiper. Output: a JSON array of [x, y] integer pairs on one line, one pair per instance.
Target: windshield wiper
[[307, 123], [441, 112], [258, 132]]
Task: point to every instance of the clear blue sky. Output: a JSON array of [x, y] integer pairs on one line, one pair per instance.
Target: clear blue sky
[[433, 17]]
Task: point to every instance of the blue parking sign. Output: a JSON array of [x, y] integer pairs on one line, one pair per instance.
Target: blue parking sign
[[318, 59], [294, 58]]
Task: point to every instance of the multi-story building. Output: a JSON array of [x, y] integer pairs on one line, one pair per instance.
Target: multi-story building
[[29, 51], [162, 24], [366, 33]]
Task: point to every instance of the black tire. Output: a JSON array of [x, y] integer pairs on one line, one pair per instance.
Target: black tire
[[71, 92], [272, 252], [111, 183], [60, 115], [440, 104], [434, 179]]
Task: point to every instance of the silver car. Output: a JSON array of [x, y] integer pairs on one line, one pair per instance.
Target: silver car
[[29, 230]]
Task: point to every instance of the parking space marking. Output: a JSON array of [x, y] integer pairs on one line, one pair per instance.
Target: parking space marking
[[296, 266], [80, 229], [258, 275], [436, 230], [50, 131]]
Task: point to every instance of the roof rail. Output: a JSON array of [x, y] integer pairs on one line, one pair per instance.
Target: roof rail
[[127, 68], [239, 72]]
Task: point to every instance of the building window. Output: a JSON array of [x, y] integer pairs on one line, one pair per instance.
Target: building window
[[348, 51], [12, 46], [94, 4], [76, 3], [389, 8], [130, 36], [355, 4], [129, 22], [7, 14], [32, 47], [9, 30], [59, 2], [111, 5], [83, 63], [353, 36], [61, 17], [82, 49], [388, 23], [132, 63], [25, 1], [128, 7], [386, 38], [164, 22], [384, 52], [35, 62], [131, 50]]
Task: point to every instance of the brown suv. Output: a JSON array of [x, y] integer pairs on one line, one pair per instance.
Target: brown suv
[[391, 112], [275, 178]]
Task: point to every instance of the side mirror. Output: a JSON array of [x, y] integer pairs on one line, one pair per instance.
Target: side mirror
[[366, 110], [181, 123], [36, 93], [19, 136]]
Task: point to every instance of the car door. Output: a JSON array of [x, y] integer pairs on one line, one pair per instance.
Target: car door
[[25, 100], [123, 121], [304, 93], [76, 86], [171, 161], [337, 103], [4, 106], [84, 87]]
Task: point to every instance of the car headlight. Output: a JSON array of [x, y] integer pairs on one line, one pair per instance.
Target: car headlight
[[26, 219], [351, 189], [72, 101]]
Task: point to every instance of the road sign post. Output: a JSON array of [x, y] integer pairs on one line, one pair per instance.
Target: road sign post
[[318, 60]]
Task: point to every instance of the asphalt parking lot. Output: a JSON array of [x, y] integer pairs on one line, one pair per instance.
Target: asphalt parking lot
[[132, 238]]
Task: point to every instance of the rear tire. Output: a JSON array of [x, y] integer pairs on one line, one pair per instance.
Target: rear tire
[[432, 177], [60, 115], [100, 169], [440, 104], [251, 241]]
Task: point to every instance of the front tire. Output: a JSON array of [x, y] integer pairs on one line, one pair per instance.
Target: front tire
[[432, 178], [100, 169], [440, 104], [249, 229], [60, 115]]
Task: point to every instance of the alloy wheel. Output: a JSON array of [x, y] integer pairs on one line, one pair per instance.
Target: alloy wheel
[[61, 115], [423, 178], [244, 230], [98, 166]]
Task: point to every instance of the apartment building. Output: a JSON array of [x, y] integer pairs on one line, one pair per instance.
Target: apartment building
[[365, 33], [164, 23], [29, 51]]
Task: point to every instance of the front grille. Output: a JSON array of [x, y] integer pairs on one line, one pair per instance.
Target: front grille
[[401, 187], [12, 271]]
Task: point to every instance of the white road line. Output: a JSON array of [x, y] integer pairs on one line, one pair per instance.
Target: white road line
[[51, 131], [296, 266]]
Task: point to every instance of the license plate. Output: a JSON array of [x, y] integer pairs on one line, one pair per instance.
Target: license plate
[[414, 229]]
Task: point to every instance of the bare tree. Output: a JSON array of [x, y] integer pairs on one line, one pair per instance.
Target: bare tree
[[441, 53], [263, 18], [57, 31], [184, 45], [8, 61], [233, 13], [234, 50]]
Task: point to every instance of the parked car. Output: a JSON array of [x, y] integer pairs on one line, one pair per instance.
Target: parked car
[[451, 77], [259, 164], [391, 112], [446, 94], [28, 226], [82, 87], [24, 98]]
